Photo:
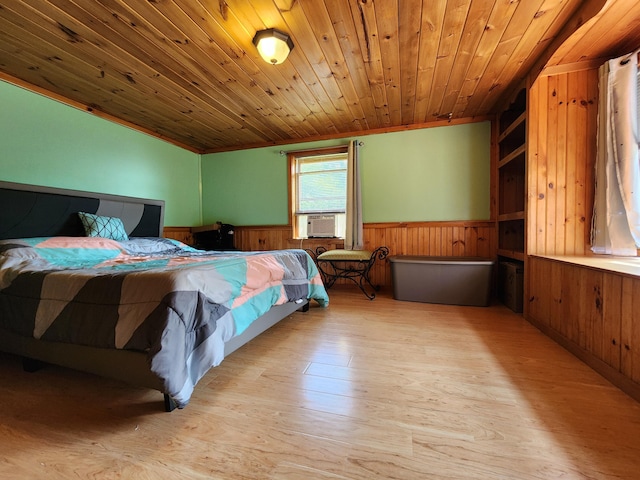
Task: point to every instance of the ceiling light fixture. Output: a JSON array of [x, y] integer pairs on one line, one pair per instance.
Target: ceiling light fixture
[[273, 45]]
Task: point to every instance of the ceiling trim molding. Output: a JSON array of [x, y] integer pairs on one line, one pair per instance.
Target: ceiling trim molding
[[572, 67]]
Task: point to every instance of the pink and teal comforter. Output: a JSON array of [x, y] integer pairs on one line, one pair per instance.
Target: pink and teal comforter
[[159, 296]]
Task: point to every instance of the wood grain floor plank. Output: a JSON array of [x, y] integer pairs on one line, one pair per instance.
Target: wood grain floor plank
[[362, 390]]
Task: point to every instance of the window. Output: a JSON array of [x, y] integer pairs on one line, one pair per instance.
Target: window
[[318, 182], [615, 225]]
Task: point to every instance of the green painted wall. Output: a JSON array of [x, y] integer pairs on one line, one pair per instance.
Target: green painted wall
[[416, 175], [248, 187], [431, 174], [45, 142]]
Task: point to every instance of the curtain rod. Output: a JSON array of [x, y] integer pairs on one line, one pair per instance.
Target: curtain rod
[[286, 152]]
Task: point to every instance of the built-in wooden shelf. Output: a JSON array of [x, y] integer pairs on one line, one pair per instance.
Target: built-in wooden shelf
[[506, 217], [514, 254], [516, 123], [512, 193], [513, 155]]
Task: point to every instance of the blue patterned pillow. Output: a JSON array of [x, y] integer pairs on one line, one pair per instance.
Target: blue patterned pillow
[[106, 227]]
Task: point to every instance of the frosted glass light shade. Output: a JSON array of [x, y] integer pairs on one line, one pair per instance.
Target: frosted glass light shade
[[273, 45]]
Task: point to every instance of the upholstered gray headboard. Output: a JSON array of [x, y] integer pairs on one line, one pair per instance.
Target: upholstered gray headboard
[[36, 211]]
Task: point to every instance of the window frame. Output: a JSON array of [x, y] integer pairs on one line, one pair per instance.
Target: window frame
[[291, 171]]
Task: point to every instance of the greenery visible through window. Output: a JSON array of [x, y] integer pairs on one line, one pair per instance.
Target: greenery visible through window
[[318, 187]]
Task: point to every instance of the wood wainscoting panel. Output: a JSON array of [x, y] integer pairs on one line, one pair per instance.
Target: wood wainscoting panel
[[612, 318], [182, 234], [451, 239], [447, 239], [630, 329], [591, 312]]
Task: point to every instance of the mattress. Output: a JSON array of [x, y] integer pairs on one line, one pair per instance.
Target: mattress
[[177, 304]]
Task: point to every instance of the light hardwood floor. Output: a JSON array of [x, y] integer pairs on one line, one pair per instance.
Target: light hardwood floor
[[361, 390]]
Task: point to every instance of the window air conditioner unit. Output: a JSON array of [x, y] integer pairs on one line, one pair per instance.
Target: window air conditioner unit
[[321, 226]]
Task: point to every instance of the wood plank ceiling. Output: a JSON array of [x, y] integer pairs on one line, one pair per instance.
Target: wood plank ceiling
[[187, 71]]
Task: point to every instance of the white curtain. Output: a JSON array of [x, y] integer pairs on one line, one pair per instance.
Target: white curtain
[[616, 218], [354, 232]]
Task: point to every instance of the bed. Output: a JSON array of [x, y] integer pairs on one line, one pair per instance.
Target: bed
[[87, 282]]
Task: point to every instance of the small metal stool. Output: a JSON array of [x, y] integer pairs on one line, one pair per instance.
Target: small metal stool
[[354, 265]]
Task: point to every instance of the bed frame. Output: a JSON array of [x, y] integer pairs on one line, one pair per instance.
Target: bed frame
[[37, 211]]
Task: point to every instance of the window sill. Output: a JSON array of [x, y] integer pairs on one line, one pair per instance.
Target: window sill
[[624, 265]]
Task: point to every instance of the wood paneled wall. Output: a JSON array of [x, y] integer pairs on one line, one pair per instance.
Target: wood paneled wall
[[561, 158], [472, 238], [182, 234], [451, 239], [595, 314]]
